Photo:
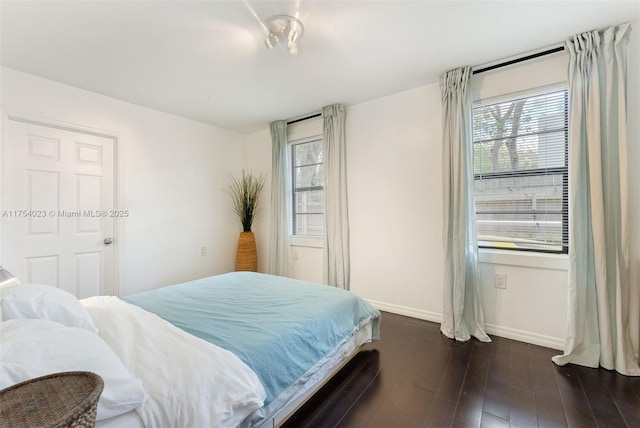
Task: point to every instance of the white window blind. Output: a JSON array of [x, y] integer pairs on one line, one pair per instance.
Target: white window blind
[[521, 172], [308, 187]]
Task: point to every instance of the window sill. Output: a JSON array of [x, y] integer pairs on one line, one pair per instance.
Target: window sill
[[307, 241], [525, 259]]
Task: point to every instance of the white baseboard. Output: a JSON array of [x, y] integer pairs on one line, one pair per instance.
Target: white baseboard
[[506, 332], [526, 336], [409, 312]]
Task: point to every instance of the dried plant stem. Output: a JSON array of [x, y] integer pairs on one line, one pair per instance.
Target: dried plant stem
[[244, 193]]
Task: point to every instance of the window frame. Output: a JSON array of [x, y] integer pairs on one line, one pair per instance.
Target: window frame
[[563, 170], [294, 190]]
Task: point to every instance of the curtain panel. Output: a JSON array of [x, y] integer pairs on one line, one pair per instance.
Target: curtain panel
[[336, 245], [279, 248], [598, 331], [462, 314]]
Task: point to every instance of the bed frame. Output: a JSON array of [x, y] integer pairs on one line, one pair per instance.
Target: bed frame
[[281, 416]]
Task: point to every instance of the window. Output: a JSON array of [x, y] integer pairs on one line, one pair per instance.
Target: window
[[308, 187], [521, 173]]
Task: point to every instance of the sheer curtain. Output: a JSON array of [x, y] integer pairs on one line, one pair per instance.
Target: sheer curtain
[[336, 247], [599, 287], [462, 315], [280, 205]]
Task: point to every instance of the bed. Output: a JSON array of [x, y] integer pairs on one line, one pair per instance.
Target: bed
[[239, 349]]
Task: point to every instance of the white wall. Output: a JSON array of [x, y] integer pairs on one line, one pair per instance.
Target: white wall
[[173, 172], [259, 161], [395, 193]]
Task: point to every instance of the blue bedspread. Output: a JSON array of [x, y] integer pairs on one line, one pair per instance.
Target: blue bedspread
[[279, 327]]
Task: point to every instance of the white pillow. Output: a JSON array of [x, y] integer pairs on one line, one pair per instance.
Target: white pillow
[[31, 348], [36, 301]]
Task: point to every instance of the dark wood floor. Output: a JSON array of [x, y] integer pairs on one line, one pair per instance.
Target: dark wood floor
[[416, 377]]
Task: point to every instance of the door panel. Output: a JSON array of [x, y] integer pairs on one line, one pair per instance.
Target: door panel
[[43, 192], [58, 190], [42, 270], [89, 190]]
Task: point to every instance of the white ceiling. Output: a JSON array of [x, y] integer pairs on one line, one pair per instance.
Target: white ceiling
[[207, 60]]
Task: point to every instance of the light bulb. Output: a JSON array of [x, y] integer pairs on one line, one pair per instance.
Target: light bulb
[[293, 47], [284, 28], [271, 40]]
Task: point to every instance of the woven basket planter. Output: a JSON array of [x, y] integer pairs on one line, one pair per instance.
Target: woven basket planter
[[247, 255]]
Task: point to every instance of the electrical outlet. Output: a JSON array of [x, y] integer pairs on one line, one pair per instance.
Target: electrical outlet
[[501, 280], [203, 251]]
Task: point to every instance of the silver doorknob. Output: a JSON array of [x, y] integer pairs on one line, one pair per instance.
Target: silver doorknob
[[108, 241]]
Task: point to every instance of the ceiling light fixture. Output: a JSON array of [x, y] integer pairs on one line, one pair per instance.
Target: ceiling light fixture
[[284, 29]]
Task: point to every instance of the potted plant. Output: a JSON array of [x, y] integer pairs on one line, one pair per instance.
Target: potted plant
[[244, 192]]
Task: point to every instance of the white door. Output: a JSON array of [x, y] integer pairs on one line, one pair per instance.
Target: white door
[[57, 215]]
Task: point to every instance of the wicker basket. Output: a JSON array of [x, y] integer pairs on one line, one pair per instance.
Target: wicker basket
[[247, 255], [58, 400]]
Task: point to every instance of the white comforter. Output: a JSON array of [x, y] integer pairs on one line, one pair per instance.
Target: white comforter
[[190, 382]]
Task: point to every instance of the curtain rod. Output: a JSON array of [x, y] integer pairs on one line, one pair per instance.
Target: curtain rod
[[300, 119], [521, 59]]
